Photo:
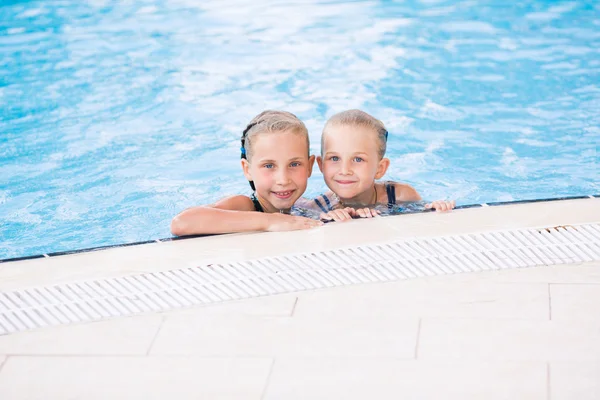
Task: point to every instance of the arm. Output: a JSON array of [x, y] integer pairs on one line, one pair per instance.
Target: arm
[[234, 214], [408, 193], [231, 214]]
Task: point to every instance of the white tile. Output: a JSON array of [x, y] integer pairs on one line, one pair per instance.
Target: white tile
[[579, 301], [132, 335], [384, 378], [2, 361], [223, 248], [504, 339], [565, 273], [281, 305], [131, 378], [428, 298], [269, 336], [570, 381]]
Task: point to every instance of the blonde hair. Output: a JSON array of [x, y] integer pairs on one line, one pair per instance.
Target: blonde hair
[[362, 119], [270, 121]]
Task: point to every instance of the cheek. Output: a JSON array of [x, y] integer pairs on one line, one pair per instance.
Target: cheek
[[328, 166], [300, 176], [262, 175]]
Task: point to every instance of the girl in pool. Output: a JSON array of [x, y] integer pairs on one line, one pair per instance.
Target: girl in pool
[[276, 162], [352, 158]]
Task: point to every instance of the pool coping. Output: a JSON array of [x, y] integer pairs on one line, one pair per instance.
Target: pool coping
[[176, 238]]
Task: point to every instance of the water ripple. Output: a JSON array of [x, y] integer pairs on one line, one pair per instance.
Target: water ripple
[[116, 115]]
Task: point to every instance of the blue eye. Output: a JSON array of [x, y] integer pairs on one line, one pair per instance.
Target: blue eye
[[295, 164], [358, 159], [334, 158], [269, 166]]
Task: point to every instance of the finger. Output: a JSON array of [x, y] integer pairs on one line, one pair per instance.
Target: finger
[[369, 213], [428, 205], [326, 217], [338, 215], [347, 216], [343, 215], [351, 211]]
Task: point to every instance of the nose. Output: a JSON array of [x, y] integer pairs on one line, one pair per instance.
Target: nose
[[345, 168], [282, 176]]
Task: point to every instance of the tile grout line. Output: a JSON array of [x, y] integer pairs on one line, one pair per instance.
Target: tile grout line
[[418, 337], [121, 355], [294, 307], [548, 395], [3, 363], [268, 381], [549, 303], [162, 322]]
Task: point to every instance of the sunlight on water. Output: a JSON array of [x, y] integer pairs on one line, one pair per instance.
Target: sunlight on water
[[116, 115]]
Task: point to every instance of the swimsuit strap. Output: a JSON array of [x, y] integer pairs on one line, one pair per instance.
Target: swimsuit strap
[[257, 205], [321, 206], [390, 188]]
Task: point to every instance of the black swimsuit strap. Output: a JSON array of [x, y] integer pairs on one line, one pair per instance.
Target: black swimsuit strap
[[257, 205], [391, 194]]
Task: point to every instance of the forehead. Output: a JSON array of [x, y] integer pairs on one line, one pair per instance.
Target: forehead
[[358, 138], [279, 145]]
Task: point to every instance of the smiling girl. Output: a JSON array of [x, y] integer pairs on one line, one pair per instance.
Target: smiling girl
[[352, 159], [277, 164]]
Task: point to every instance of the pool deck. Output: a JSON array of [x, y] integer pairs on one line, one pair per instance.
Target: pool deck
[[530, 333]]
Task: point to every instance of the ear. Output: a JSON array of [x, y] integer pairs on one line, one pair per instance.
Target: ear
[[246, 169], [311, 164], [382, 167], [320, 163]]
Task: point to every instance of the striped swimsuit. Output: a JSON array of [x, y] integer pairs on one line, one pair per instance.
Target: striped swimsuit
[[390, 189]]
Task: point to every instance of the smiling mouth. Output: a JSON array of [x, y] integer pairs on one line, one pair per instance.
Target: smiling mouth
[[345, 182], [283, 195]]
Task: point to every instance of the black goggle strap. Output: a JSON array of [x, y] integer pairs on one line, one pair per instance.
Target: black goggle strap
[[243, 148]]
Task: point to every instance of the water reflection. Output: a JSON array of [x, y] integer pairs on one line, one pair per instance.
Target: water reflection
[[116, 115]]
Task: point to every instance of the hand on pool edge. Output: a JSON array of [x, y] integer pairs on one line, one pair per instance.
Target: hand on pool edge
[[348, 213], [441, 205], [285, 222]]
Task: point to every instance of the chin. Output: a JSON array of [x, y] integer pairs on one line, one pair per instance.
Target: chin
[[281, 204], [346, 194]]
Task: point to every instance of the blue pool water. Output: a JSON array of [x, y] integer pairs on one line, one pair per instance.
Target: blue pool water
[[115, 115]]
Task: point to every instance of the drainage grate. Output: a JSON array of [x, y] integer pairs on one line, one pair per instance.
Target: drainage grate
[[97, 299]]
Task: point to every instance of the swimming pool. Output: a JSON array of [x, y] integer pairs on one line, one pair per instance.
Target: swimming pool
[[116, 115]]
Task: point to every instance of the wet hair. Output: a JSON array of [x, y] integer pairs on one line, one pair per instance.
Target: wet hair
[[270, 121], [362, 119]]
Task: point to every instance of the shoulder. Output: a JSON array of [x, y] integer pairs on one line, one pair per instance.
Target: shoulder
[[238, 202], [405, 192]]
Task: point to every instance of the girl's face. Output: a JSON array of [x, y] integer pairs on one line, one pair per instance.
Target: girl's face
[[350, 162], [280, 168]]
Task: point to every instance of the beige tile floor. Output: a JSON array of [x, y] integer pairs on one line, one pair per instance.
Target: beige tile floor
[[513, 334]]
